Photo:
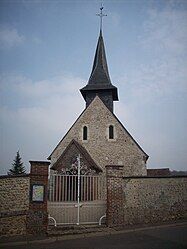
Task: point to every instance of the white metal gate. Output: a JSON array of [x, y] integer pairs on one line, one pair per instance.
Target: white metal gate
[[77, 199]]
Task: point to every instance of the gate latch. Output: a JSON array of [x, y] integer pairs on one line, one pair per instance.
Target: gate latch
[[78, 205]]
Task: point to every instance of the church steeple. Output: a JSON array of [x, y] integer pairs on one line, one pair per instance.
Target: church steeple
[[99, 82], [99, 74]]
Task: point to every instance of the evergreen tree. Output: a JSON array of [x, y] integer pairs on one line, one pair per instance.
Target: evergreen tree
[[17, 166]]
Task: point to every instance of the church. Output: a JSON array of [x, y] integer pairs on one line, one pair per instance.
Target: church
[[97, 134], [98, 173], [96, 140]]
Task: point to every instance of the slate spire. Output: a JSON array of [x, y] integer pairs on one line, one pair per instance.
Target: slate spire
[[100, 74], [99, 82]]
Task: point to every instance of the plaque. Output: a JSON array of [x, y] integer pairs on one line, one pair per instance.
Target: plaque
[[38, 193]]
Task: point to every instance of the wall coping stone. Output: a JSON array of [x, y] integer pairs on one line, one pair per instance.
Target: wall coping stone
[[14, 176], [147, 177], [40, 162]]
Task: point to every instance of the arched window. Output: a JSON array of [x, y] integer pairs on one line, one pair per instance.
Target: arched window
[[111, 132], [85, 133]]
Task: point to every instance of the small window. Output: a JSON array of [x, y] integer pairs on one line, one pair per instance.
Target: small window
[[85, 133], [111, 132]]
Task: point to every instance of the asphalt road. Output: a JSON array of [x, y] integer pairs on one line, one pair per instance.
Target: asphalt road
[[170, 237]]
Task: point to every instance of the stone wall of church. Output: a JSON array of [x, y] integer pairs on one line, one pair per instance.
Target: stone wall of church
[[154, 199], [122, 150], [14, 204]]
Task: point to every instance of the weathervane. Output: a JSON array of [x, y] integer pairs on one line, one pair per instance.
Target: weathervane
[[101, 15]]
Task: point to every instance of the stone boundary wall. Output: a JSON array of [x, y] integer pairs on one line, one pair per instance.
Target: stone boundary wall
[[20, 212], [154, 199], [14, 204]]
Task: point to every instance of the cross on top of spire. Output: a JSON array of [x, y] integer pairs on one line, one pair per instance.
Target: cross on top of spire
[[101, 15]]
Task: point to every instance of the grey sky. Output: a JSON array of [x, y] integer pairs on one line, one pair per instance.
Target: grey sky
[[47, 50]]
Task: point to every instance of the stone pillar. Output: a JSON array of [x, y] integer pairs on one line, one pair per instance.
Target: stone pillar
[[115, 195], [37, 218]]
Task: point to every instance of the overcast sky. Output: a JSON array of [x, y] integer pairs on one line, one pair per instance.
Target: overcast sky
[[47, 50]]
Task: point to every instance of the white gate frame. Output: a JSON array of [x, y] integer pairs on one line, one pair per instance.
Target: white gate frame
[[78, 205], [78, 190]]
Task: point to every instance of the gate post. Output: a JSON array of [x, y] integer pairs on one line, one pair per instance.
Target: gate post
[[115, 196], [37, 218]]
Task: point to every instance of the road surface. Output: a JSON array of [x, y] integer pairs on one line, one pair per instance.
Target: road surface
[[163, 237]]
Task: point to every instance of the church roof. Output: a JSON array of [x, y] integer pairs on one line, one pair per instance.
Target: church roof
[[99, 78], [82, 151]]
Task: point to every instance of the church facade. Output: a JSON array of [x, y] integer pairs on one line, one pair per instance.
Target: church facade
[[98, 135]]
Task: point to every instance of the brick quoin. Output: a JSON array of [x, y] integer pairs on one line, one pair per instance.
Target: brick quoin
[[115, 195], [37, 218]]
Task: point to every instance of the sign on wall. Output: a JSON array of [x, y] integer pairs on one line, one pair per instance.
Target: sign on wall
[[37, 193]]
